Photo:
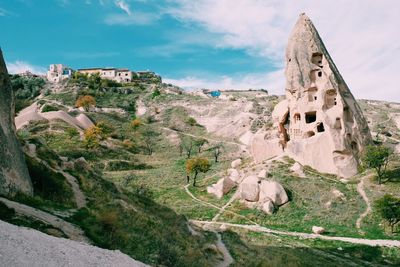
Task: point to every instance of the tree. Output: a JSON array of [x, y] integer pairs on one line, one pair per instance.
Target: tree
[[92, 135], [105, 129], [187, 145], [377, 157], [389, 208], [149, 138], [86, 101], [199, 143], [191, 121], [216, 151], [197, 165]]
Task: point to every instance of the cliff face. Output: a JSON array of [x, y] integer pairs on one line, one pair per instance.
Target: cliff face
[[14, 174], [322, 125]]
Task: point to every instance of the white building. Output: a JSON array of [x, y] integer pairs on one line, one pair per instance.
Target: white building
[[58, 72], [118, 75]]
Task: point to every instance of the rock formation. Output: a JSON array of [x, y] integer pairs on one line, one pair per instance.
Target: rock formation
[[320, 123], [14, 174]]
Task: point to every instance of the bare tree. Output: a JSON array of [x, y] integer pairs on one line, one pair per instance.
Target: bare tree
[[187, 144], [216, 151]]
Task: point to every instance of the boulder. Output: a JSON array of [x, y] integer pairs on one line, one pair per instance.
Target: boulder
[[268, 207], [234, 175], [272, 191], [338, 194], [298, 169], [250, 188], [318, 230], [222, 187], [236, 163]]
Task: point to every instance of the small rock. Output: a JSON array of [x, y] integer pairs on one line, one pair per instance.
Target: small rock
[[345, 181], [298, 169], [223, 227], [236, 163], [338, 194], [262, 174], [65, 159], [318, 230]]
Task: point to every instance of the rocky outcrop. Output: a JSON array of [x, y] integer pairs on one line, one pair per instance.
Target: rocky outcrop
[[320, 123], [14, 174], [21, 246]]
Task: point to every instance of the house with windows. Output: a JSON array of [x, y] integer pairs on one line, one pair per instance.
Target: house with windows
[[58, 72], [118, 75]]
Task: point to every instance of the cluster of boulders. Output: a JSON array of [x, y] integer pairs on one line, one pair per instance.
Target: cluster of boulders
[[266, 195], [254, 190], [225, 185]]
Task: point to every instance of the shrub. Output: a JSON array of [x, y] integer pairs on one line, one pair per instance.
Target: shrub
[[48, 108], [389, 208], [93, 135], [49, 185], [72, 132], [191, 121], [377, 157], [155, 93], [136, 123], [85, 101]]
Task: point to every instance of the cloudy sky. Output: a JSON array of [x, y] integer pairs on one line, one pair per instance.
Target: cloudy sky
[[205, 43]]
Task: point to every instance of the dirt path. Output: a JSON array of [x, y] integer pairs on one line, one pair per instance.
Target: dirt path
[[228, 260], [203, 137], [361, 191], [186, 187], [260, 229], [233, 198], [72, 231]]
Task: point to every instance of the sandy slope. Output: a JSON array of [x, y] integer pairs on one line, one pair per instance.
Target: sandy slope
[[21, 246]]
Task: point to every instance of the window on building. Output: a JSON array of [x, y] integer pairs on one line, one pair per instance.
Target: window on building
[[320, 127], [317, 58]]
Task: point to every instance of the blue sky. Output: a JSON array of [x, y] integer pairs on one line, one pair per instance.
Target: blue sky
[[204, 43]]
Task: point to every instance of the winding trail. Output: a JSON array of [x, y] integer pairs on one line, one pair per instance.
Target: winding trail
[[361, 191], [228, 260], [261, 229], [73, 232], [186, 187]]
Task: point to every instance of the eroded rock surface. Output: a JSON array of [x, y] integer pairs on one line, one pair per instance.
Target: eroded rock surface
[[320, 123], [14, 174]]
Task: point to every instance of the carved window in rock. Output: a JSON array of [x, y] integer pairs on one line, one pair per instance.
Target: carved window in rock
[[331, 98], [309, 134], [312, 94], [348, 115], [317, 59], [354, 145], [296, 118], [311, 116], [320, 127], [338, 124]]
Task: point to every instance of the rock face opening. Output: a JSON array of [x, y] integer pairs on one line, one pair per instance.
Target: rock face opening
[[312, 94], [321, 103], [330, 98], [320, 127], [317, 58], [311, 116]]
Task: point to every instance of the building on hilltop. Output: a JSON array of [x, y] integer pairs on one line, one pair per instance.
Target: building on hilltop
[[58, 72]]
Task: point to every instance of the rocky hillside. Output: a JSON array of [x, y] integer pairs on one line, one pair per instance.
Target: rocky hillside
[[114, 174]]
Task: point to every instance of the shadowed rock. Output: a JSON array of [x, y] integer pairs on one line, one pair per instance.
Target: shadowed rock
[[14, 174]]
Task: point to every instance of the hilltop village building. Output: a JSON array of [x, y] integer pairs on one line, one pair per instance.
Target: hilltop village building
[[118, 75], [58, 72]]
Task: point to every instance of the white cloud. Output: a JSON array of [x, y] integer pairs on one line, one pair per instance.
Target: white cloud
[[270, 80], [124, 6], [361, 35], [138, 18], [22, 66]]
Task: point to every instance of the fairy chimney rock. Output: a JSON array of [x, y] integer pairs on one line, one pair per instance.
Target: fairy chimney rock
[[322, 126], [14, 174]]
